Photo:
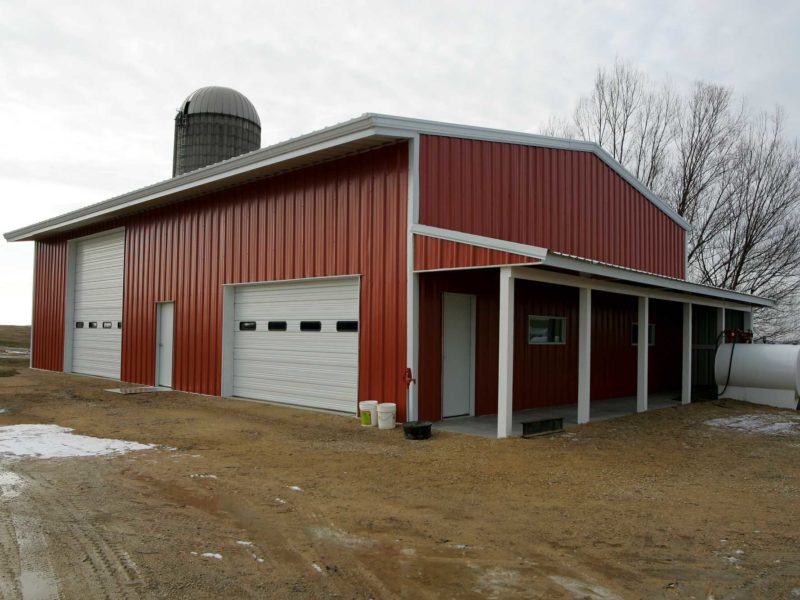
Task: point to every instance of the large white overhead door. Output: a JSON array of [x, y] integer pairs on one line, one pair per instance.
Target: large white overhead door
[[296, 342], [97, 305]]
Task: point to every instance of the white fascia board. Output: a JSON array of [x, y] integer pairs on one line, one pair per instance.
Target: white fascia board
[[658, 287], [422, 126], [460, 237], [343, 133]]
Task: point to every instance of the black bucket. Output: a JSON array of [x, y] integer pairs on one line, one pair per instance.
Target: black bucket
[[417, 430]]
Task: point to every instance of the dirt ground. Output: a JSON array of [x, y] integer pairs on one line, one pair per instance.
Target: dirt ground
[[658, 505]]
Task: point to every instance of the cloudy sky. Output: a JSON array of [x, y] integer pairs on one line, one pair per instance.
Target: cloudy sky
[[88, 90]]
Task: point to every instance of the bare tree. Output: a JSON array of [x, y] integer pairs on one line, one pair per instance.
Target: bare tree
[[729, 173]]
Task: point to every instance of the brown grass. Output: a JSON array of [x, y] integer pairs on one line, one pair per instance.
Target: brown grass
[[15, 336]]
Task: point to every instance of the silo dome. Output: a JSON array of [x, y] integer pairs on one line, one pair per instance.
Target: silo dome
[[213, 124]]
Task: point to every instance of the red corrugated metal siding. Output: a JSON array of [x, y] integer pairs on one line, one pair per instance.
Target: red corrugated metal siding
[[50, 277], [545, 375], [432, 253], [339, 218], [563, 200]]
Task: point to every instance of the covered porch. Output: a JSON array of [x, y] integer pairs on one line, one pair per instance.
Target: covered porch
[[558, 336], [602, 410]]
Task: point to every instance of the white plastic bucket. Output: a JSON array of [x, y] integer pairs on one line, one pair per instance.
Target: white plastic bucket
[[386, 415], [369, 413]]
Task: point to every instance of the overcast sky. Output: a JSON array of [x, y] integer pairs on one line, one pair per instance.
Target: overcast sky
[[88, 90]]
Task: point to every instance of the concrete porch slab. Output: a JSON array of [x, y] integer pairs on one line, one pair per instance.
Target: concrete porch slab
[[601, 410]]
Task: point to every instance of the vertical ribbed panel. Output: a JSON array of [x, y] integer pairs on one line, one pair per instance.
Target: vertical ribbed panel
[[339, 218], [48, 305], [432, 253], [564, 200]]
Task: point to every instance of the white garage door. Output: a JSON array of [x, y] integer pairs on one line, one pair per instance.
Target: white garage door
[[297, 343], [97, 301]]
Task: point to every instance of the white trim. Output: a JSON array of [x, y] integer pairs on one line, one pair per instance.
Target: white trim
[[505, 358], [642, 352], [539, 274], [228, 299], [380, 127], [268, 281], [472, 268], [686, 352], [412, 281], [591, 267], [69, 305], [584, 354], [199, 181], [460, 237], [720, 324], [33, 304]]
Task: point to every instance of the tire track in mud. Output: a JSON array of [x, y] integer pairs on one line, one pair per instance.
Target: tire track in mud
[[106, 570], [9, 556]]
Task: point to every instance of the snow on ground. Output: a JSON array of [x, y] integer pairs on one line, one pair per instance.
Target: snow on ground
[[215, 555], [10, 485], [52, 441], [767, 423]]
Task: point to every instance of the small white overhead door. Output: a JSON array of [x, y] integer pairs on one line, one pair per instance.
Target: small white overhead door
[[97, 302], [297, 343]]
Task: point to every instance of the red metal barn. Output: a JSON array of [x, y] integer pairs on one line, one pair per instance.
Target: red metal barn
[[506, 271]]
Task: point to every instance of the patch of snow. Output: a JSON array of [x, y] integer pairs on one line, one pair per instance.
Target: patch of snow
[[258, 558], [339, 537], [202, 476], [2, 410], [280, 500], [584, 590], [214, 555], [244, 543], [408, 552], [193, 553], [317, 568], [295, 488], [766, 423], [10, 485], [52, 441]]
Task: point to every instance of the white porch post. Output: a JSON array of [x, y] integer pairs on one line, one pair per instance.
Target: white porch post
[[584, 352], [505, 371], [748, 320], [721, 322], [643, 347], [686, 381]]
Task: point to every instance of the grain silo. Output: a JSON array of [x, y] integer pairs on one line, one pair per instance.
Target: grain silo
[[214, 124]]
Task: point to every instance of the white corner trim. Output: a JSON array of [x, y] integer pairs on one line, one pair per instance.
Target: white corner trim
[[460, 237]]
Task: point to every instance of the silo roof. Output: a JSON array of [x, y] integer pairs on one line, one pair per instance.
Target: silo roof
[[220, 100]]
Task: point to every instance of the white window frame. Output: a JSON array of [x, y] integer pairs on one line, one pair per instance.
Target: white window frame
[[563, 320]]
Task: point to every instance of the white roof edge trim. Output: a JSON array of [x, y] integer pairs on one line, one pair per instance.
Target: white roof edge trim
[[355, 129], [527, 139], [460, 237], [561, 261], [369, 124]]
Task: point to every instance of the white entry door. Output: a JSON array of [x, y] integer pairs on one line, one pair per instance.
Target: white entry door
[[164, 343], [458, 355]]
